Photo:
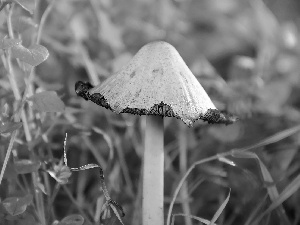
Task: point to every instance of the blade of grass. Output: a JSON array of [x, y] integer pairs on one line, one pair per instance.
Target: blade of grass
[[274, 138], [191, 217], [272, 189], [220, 210], [285, 194], [182, 181], [270, 140], [43, 20], [254, 213], [7, 155]]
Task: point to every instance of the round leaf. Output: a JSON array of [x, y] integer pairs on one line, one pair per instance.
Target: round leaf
[[33, 55], [16, 205]]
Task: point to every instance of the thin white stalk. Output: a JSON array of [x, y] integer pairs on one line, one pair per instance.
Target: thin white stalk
[[182, 137], [153, 172]]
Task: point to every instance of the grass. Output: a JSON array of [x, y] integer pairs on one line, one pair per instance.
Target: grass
[[39, 105]]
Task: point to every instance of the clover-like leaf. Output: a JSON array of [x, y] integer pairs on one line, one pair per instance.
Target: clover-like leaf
[[16, 205], [47, 101], [28, 5], [9, 127], [33, 55], [6, 43]]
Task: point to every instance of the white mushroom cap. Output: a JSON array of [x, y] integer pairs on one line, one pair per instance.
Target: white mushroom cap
[[156, 74]]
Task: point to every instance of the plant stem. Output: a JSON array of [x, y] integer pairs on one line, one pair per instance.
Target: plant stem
[[182, 137], [43, 21], [153, 172], [9, 149]]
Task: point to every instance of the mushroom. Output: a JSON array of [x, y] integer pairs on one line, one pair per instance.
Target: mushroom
[[156, 83]]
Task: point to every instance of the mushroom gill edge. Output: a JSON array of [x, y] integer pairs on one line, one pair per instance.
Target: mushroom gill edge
[[212, 116]]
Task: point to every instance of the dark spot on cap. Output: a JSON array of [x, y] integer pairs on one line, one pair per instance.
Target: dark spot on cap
[[157, 71], [137, 93], [132, 74]]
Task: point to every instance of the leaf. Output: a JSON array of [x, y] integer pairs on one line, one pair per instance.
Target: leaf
[[26, 166], [270, 140], [28, 5], [60, 173], [22, 23], [16, 205], [116, 213], [284, 195], [74, 219], [220, 210], [33, 55], [205, 221], [9, 127], [272, 189], [47, 101], [284, 158], [42, 187], [6, 43], [227, 161], [256, 211]]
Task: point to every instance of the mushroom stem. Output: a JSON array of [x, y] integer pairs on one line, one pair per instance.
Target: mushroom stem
[[153, 172]]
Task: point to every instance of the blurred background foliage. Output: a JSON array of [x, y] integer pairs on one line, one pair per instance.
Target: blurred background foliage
[[246, 55]]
